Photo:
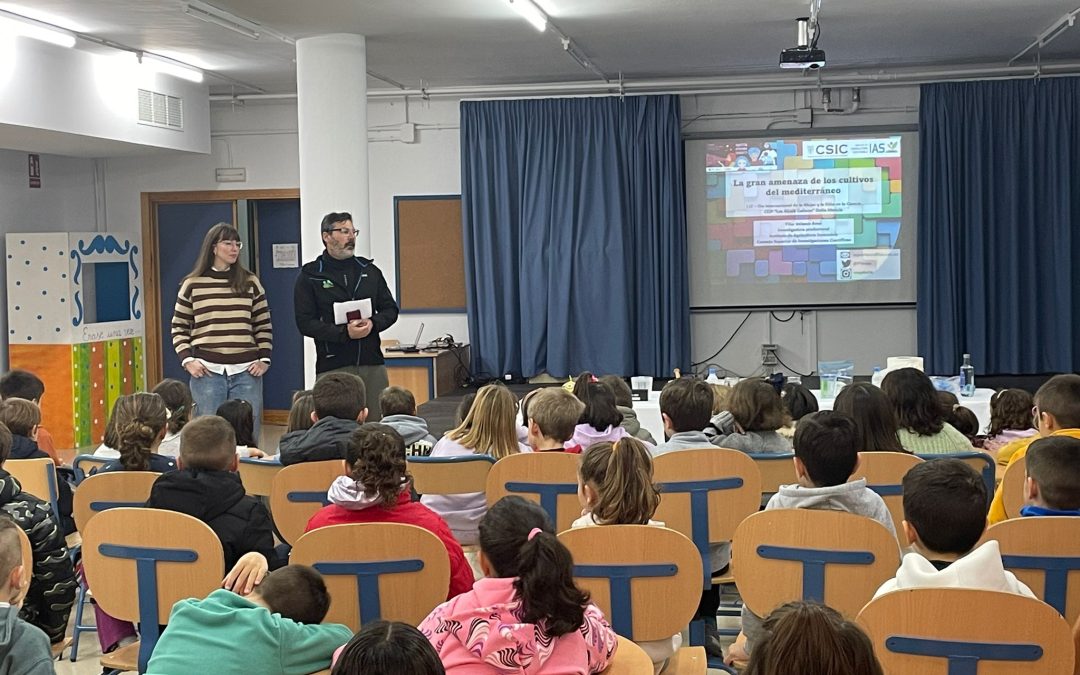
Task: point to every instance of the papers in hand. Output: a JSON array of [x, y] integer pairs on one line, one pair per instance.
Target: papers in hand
[[344, 312]]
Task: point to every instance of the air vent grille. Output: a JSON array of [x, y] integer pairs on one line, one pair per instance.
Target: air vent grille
[[160, 110]]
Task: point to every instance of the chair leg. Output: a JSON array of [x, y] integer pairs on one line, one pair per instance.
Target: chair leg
[[79, 628]]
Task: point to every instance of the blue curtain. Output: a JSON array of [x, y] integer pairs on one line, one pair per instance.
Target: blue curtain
[[575, 236], [999, 203]]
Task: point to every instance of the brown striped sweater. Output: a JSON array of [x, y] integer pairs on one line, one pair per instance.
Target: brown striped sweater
[[214, 323]]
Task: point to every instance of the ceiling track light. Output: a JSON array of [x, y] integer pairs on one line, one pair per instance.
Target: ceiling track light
[[14, 24], [167, 66], [531, 13], [219, 17]]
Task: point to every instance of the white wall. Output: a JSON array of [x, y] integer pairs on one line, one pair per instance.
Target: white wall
[[64, 202], [866, 336]]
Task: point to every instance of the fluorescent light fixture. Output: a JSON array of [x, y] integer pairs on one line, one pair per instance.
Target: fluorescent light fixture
[[159, 65], [531, 13], [33, 29], [219, 17]]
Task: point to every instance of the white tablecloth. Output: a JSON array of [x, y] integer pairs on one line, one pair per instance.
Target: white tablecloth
[[648, 412]]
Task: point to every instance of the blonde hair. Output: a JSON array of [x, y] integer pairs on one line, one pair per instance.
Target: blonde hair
[[556, 412], [621, 473], [489, 428], [720, 395]]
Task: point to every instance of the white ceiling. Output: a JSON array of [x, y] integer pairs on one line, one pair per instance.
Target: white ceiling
[[472, 42]]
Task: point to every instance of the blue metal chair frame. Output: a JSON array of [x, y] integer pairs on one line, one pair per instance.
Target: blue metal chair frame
[[1055, 574], [988, 472], [367, 580], [549, 493], [82, 474], [964, 657]]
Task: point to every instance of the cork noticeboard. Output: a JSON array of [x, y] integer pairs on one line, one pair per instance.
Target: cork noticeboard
[[430, 255]]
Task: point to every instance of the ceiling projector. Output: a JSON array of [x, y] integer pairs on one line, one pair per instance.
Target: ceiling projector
[[804, 54]]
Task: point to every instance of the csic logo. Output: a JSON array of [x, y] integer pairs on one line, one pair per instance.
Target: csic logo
[[853, 148]]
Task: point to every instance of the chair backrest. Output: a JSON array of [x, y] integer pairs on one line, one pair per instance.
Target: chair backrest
[[884, 474], [114, 489], [980, 461], [548, 478], [963, 631], [257, 475], [298, 492], [643, 578], [84, 464], [1012, 487], [456, 475], [377, 571], [705, 494], [140, 562], [833, 557], [1044, 553], [629, 659], [775, 470], [37, 477]]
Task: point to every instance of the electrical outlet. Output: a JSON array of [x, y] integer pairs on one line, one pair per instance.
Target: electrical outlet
[[768, 354]]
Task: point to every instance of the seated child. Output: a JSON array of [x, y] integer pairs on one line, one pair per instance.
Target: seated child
[[52, 582], [241, 416], [376, 490], [826, 454], [805, 637], [965, 421], [340, 407], [526, 615], [1052, 487], [398, 407], [758, 412], [624, 403], [177, 397], [615, 486], [553, 415], [721, 423], [600, 420], [1010, 420], [276, 629], [138, 424], [300, 414], [207, 487], [387, 647], [944, 518], [685, 408], [523, 406], [26, 385], [24, 648], [23, 420], [799, 402]]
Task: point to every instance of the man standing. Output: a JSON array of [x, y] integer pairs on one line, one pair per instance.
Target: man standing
[[339, 276]]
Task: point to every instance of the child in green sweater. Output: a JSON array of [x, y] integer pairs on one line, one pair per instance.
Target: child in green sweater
[[275, 630]]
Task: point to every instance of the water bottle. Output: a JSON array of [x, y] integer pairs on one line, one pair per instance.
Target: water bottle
[[877, 377], [967, 377], [712, 378]]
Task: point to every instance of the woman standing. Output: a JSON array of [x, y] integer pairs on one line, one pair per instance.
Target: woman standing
[[221, 326]]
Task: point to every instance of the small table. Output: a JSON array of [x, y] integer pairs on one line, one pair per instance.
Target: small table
[[648, 414], [427, 374]]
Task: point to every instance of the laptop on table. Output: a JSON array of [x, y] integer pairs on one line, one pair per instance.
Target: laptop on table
[[414, 348]]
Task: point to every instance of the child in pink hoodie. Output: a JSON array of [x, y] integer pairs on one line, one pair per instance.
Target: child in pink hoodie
[[601, 420], [526, 617]]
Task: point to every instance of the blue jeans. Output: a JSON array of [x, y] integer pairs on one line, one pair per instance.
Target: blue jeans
[[211, 390]]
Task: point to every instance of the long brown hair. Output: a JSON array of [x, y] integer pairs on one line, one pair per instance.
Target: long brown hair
[[803, 637], [621, 474], [874, 417], [490, 426], [138, 420], [756, 406], [239, 277], [1010, 409], [376, 460]]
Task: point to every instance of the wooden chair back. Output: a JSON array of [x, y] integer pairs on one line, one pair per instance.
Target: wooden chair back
[[1012, 487], [950, 630], [461, 474], [298, 492], [884, 474], [398, 572], [84, 464], [705, 494], [629, 659], [27, 553], [980, 461], [1044, 553], [37, 477], [775, 470], [833, 557], [547, 478], [257, 475], [140, 562], [114, 489]]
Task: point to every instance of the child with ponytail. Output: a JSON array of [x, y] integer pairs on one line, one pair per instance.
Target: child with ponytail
[[138, 421], [526, 616], [615, 486]]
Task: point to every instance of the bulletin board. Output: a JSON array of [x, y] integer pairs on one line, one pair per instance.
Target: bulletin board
[[430, 255]]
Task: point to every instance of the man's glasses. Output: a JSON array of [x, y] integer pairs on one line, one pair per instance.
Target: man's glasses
[[348, 232]]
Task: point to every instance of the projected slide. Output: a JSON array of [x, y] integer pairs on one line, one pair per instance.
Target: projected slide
[[803, 211]]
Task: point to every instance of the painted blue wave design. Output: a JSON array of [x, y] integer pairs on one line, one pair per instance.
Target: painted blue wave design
[[131, 259], [134, 300], [104, 244], [78, 259], [78, 303]]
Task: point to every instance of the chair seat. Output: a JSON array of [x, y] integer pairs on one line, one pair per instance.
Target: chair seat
[[124, 658], [59, 647], [687, 661]]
